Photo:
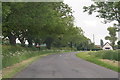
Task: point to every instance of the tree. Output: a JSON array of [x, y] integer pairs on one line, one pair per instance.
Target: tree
[[112, 35], [59, 21], [0, 21], [110, 11], [8, 30], [49, 23], [101, 43], [35, 21], [118, 44]]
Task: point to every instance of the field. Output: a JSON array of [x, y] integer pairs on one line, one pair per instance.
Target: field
[[108, 59]]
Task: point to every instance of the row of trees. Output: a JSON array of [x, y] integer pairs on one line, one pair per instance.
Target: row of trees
[[49, 23]]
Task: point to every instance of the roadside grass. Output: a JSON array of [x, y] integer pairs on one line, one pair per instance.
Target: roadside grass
[[107, 54], [16, 58], [15, 54], [19, 56], [91, 58], [10, 71], [112, 62]]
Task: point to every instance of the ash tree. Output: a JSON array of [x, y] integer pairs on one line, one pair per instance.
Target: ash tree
[[109, 11], [112, 35]]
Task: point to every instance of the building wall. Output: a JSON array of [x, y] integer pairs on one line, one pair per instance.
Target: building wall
[[107, 46], [119, 36]]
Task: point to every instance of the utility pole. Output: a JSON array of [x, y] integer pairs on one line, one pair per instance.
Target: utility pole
[[93, 38]]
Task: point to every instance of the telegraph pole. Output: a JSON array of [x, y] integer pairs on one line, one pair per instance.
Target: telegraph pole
[[93, 38]]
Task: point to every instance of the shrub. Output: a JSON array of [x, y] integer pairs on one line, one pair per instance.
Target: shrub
[[107, 54]]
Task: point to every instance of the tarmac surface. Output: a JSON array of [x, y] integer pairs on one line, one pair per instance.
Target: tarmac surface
[[65, 65]]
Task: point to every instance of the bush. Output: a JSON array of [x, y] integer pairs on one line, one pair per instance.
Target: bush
[[107, 54]]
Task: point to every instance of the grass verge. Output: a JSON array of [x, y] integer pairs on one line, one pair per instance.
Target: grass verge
[[10, 71], [93, 59], [15, 54], [16, 58]]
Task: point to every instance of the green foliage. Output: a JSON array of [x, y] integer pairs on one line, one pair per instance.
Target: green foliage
[[39, 23], [112, 38], [15, 54], [88, 46], [107, 10], [118, 44], [107, 54]]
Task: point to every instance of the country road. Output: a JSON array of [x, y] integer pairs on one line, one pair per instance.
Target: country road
[[65, 65]]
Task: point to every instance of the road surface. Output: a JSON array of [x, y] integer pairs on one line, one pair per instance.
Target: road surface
[[65, 65]]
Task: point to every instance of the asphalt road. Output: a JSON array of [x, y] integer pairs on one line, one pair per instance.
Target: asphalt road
[[65, 65]]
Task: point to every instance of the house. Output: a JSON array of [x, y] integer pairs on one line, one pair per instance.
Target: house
[[107, 46], [119, 36]]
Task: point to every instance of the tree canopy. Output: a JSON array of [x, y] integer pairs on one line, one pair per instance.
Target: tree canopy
[[49, 23], [112, 35], [109, 11]]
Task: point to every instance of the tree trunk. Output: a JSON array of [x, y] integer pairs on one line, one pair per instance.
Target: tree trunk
[[22, 41], [48, 42], [48, 45], [12, 39], [30, 43], [113, 45], [71, 44], [36, 43]]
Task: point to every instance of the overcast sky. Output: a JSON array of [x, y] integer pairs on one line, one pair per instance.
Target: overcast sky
[[89, 23]]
